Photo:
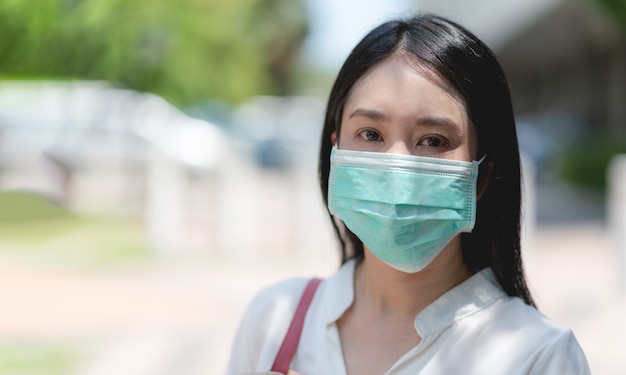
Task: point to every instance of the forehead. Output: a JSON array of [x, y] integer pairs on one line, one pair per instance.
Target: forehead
[[401, 81], [419, 67]]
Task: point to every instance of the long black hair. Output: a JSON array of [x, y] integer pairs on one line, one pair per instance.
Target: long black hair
[[457, 56]]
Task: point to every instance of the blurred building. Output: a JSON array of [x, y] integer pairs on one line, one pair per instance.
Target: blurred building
[[571, 58], [565, 56], [89, 145], [99, 150]]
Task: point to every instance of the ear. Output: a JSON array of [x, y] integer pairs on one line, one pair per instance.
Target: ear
[[484, 179], [333, 138]]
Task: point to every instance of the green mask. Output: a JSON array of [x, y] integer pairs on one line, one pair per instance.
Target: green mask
[[404, 208]]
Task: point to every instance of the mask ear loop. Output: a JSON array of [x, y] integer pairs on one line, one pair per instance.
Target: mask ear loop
[[483, 178]]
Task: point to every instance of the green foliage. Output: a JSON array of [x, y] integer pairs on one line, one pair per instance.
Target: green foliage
[[33, 227], [88, 242], [18, 206], [37, 359], [616, 8], [186, 50], [585, 161]]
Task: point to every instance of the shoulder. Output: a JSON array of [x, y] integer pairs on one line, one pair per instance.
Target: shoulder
[[561, 354], [264, 325], [267, 318], [282, 296], [498, 311], [513, 314], [545, 346], [517, 335]]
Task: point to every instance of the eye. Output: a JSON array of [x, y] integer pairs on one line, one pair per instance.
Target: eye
[[433, 142], [371, 135]]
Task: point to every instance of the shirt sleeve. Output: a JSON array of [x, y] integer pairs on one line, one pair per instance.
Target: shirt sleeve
[[563, 356]]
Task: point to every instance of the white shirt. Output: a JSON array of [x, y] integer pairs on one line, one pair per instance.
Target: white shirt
[[475, 328]]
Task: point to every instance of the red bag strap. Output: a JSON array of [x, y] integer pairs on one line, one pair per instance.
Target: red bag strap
[[290, 342]]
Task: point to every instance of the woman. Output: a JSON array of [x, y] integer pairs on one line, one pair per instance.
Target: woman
[[419, 167]]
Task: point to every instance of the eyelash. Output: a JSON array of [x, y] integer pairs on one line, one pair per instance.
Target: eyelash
[[443, 142], [364, 134]]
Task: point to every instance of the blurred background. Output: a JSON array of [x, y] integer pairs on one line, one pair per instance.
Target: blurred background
[[158, 167]]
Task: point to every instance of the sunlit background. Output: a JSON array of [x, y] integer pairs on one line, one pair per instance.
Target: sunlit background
[[158, 167]]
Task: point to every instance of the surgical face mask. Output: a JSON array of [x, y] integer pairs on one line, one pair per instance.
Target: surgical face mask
[[404, 208]]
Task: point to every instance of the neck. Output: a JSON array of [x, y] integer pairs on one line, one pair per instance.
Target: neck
[[386, 290]]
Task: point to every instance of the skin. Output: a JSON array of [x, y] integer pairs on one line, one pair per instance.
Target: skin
[[399, 107]]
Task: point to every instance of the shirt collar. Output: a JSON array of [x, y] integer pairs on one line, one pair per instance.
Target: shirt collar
[[472, 295], [467, 298], [339, 293]]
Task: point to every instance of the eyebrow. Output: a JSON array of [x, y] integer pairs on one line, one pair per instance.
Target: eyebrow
[[428, 120], [368, 113], [438, 121]]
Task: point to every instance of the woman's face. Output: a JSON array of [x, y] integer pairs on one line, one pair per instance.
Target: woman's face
[[401, 109]]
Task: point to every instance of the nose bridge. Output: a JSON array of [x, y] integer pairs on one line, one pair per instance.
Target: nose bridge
[[399, 146]]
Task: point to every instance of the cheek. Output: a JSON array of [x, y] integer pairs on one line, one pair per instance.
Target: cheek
[[340, 137], [343, 133]]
